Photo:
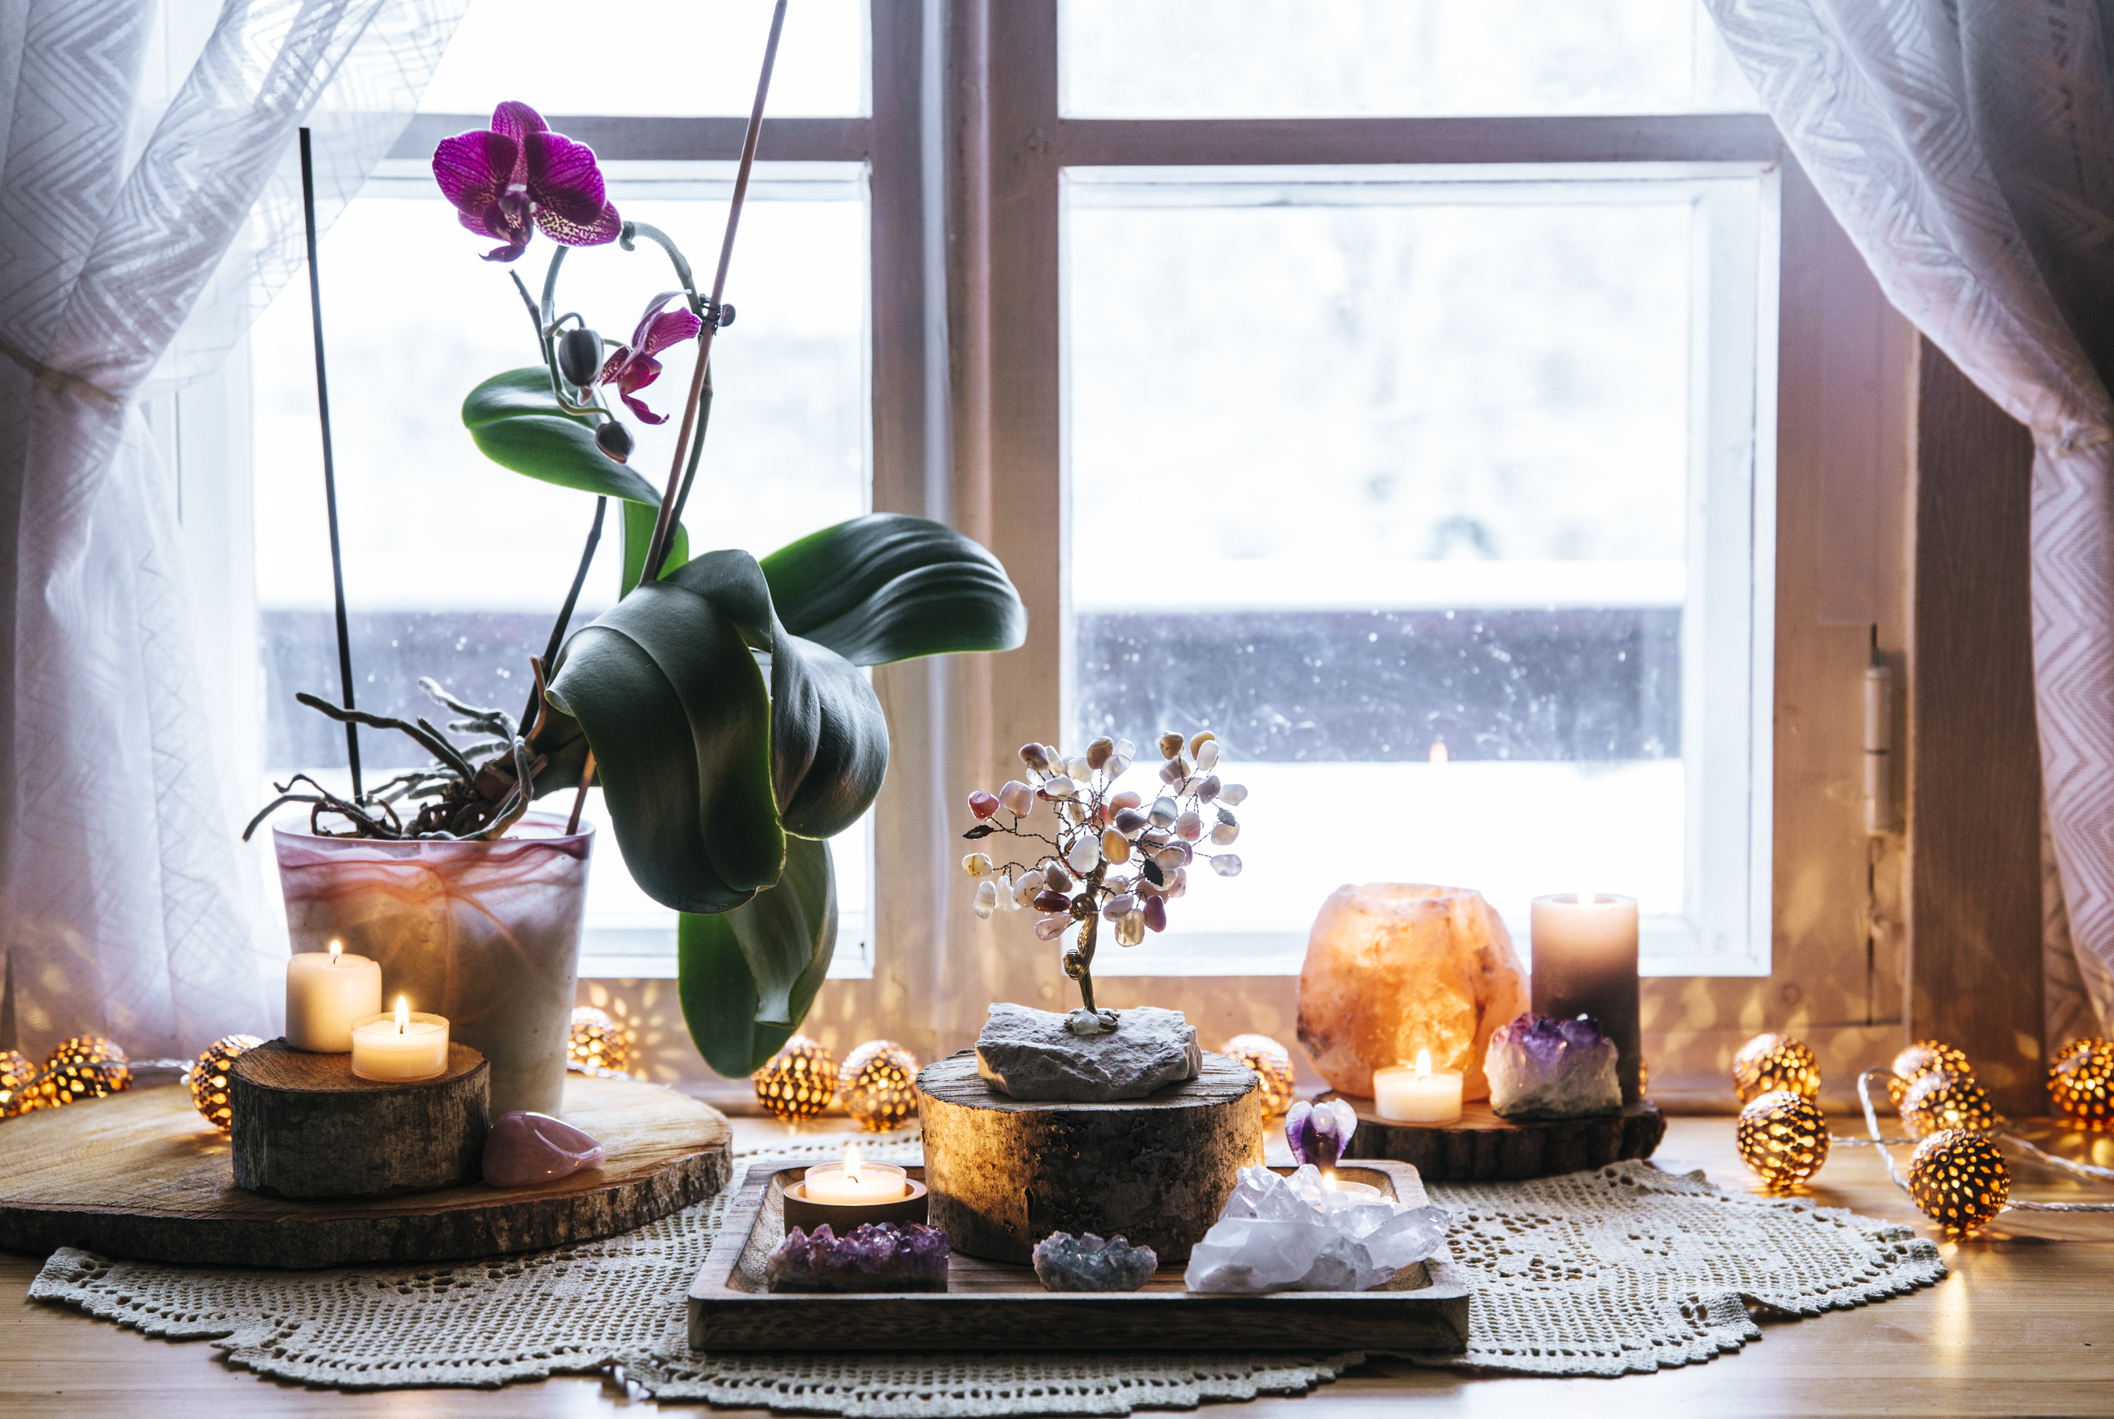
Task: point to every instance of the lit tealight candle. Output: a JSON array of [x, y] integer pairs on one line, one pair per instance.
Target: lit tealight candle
[[1420, 1095], [1357, 1192], [325, 993], [401, 1047], [854, 1181]]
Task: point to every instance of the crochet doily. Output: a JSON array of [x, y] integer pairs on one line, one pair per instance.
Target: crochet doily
[[1598, 1273]]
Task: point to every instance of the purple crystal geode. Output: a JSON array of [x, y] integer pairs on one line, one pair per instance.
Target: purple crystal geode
[[1318, 1133], [879, 1256], [1541, 1067]]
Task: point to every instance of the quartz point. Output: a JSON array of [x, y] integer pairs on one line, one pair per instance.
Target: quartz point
[[1293, 1233], [1541, 1067], [526, 1148], [1064, 1262], [879, 1256]]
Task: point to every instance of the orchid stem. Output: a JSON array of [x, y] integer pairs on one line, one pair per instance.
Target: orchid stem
[[587, 778], [664, 524], [572, 599]]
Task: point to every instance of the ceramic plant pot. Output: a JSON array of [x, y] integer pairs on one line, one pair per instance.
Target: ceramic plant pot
[[485, 933]]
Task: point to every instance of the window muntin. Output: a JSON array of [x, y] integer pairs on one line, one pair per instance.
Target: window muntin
[[1366, 462], [659, 57], [1393, 58], [454, 566]]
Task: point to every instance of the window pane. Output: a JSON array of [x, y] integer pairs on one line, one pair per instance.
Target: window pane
[[1394, 58], [654, 57], [1422, 470], [454, 566]]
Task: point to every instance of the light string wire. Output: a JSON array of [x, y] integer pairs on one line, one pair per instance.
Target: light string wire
[[1871, 1123]]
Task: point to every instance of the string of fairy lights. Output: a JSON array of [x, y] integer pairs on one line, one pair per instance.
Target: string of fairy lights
[[1957, 1174]]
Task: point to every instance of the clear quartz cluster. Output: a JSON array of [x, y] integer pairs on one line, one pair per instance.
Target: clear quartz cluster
[[1541, 1067], [1293, 1233], [880, 1256], [1064, 1262]]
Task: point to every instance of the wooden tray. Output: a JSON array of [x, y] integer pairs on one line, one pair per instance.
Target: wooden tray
[[994, 1306], [1482, 1147], [140, 1174]]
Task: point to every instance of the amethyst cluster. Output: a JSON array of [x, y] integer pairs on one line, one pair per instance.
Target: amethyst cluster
[[879, 1256], [1541, 1067], [1318, 1133]]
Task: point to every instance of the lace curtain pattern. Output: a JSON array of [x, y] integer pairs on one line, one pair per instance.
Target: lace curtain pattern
[[140, 231], [1968, 150]]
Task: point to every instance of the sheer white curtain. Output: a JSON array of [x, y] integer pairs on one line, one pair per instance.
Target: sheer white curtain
[[1968, 150], [149, 206]]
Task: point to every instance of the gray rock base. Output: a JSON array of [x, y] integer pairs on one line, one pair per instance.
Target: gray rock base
[[1034, 1054]]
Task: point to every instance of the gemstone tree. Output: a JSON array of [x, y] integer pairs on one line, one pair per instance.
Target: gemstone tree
[[1109, 855]]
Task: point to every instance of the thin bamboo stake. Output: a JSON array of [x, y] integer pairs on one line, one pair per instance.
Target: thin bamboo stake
[[664, 524]]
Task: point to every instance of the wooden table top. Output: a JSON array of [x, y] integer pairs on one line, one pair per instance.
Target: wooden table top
[[2024, 1325]]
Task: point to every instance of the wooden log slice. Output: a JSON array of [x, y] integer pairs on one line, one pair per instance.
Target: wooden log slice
[[306, 1126], [1004, 1173], [1482, 1147], [141, 1175]]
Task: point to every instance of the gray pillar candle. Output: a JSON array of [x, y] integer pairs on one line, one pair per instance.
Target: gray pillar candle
[[1585, 963]]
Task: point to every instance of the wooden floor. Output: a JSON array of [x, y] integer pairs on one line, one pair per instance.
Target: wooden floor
[[2025, 1325]]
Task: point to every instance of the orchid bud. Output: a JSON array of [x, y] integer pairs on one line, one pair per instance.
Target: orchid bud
[[580, 356], [615, 440]]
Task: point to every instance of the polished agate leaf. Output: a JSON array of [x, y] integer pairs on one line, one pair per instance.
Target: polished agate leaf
[[1064, 1262], [527, 1148], [1281, 1233], [879, 1256], [1541, 1067]]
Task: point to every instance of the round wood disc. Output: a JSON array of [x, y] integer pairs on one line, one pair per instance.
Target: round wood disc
[[1004, 1173], [142, 1175], [1481, 1147]]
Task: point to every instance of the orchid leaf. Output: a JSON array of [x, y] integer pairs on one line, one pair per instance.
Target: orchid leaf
[[746, 978], [678, 713], [638, 531], [517, 424], [889, 587]]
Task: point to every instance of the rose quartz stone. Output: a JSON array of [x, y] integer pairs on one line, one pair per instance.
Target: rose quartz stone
[[525, 1148], [1395, 967]]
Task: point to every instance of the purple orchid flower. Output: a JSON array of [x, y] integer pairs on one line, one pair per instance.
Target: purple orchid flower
[[632, 367], [517, 171]]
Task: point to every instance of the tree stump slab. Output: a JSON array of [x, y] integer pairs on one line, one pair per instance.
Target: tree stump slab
[[1482, 1147], [141, 1175], [304, 1125], [1004, 1173]]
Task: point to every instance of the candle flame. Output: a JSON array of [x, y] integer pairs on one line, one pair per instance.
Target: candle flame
[[1438, 751], [1423, 1064], [403, 1014], [1328, 1182], [337, 949], [851, 1162]]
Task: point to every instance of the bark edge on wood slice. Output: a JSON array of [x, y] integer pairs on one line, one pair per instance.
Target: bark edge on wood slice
[[1005, 1173], [306, 1126], [1482, 1147], [141, 1175]]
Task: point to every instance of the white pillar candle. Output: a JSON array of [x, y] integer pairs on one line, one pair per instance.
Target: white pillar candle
[[1585, 963], [1417, 1094], [401, 1046], [1357, 1191], [325, 993], [855, 1180]]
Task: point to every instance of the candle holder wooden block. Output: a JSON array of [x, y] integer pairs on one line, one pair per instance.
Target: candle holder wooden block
[[844, 1216], [305, 1126], [1006, 1172], [1481, 1147]]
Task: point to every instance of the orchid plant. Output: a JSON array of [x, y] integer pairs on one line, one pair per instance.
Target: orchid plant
[[721, 705]]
